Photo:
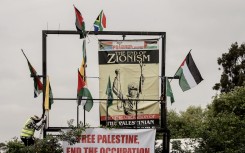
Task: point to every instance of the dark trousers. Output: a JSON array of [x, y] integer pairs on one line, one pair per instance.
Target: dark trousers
[[27, 141]]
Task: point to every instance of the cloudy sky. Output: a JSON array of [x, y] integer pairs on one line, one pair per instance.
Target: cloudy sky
[[207, 27]]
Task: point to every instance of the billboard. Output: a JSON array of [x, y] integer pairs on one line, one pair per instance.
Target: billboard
[[132, 67]]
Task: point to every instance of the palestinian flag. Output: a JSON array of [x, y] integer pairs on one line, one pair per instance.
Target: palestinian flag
[[84, 93], [189, 75], [169, 91], [100, 22], [38, 86], [80, 24]]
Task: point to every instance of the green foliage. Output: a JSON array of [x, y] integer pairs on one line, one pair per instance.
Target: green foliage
[[220, 126], [49, 144], [14, 146], [73, 134], [176, 146], [223, 130], [2, 145], [233, 102], [233, 65], [159, 149], [187, 124]]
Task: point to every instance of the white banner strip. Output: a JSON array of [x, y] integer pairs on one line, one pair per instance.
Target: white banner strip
[[99, 140]]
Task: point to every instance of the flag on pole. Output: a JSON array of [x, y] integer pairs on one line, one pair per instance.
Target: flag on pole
[[48, 96], [109, 93], [80, 24], [188, 73], [38, 86], [84, 93], [84, 62], [100, 22], [169, 91]]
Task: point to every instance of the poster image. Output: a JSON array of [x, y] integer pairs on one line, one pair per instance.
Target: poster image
[[132, 67]]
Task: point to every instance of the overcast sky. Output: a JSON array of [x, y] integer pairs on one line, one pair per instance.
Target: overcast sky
[[207, 27]]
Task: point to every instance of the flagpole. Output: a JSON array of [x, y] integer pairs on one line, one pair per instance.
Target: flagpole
[[24, 55], [136, 115], [29, 62], [164, 127], [47, 118], [44, 70], [84, 116], [107, 113], [77, 114]]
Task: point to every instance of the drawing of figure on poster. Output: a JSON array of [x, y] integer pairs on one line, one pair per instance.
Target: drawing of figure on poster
[[129, 102]]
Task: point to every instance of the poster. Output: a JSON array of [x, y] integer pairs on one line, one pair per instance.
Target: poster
[[99, 140], [132, 69]]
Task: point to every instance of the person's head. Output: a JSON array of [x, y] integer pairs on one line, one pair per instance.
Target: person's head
[[35, 118], [117, 71], [132, 89]]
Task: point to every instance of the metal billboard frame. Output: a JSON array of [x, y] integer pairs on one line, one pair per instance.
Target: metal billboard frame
[[163, 102]]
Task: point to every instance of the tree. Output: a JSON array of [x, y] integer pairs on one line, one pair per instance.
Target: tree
[[14, 146], [50, 144], [233, 65], [223, 129], [2, 146], [73, 134], [187, 123]]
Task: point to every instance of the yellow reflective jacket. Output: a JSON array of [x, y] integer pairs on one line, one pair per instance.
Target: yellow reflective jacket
[[28, 129]]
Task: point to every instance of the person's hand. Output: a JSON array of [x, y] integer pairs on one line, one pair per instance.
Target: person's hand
[[43, 121]]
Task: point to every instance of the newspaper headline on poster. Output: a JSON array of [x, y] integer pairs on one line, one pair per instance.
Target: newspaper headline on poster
[[100, 140], [129, 69]]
